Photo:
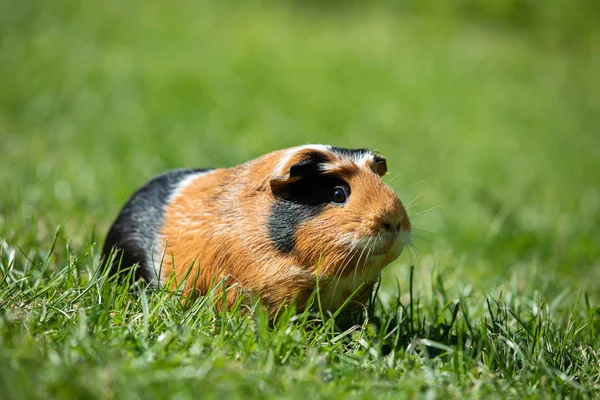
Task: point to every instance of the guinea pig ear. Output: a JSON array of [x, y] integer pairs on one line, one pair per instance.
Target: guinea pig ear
[[304, 168], [379, 165]]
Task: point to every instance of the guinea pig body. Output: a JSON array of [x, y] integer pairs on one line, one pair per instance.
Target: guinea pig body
[[274, 227]]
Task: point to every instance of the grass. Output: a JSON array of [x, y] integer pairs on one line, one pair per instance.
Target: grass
[[490, 126]]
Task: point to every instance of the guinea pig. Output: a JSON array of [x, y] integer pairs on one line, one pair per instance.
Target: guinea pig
[[274, 227]]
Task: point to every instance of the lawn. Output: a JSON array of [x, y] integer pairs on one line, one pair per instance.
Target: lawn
[[488, 114]]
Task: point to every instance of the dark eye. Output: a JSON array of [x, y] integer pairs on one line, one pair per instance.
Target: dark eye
[[338, 195]]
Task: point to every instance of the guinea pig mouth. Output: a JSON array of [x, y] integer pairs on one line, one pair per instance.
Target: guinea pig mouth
[[386, 246]]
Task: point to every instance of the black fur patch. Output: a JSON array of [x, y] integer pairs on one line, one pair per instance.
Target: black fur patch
[[301, 201], [135, 230], [309, 166], [284, 220]]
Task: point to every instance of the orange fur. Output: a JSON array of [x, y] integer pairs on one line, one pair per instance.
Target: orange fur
[[217, 224]]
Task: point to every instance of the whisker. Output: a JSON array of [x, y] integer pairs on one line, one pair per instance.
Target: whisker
[[429, 209], [392, 179], [411, 203], [346, 261], [359, 258], [335, 261], [416, 249], [414, 216], [351, 255], [368, 254], [424, 231], [341, 257], [426, 239]]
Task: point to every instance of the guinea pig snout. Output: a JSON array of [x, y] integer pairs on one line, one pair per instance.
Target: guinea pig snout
[[391, 225], [393, 222]]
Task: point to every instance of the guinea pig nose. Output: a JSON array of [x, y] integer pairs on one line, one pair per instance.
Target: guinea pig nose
[[391, 225]]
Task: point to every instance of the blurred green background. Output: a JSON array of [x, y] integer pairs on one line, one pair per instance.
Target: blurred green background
[[488, 113]]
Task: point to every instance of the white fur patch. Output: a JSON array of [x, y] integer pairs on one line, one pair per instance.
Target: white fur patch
[[365, 160], [361, 159], [185, 183], [319, 147], [290, 153]]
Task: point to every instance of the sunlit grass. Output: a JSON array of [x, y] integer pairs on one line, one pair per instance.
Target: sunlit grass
[[491, 134], [74, 335]]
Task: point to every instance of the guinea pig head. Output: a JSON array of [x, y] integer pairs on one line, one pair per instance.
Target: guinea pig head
[[334, 214]]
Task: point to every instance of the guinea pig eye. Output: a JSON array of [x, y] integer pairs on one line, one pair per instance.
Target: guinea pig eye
[[338, 195]]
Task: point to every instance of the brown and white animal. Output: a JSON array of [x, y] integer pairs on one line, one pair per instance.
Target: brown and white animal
[[270, 227]]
